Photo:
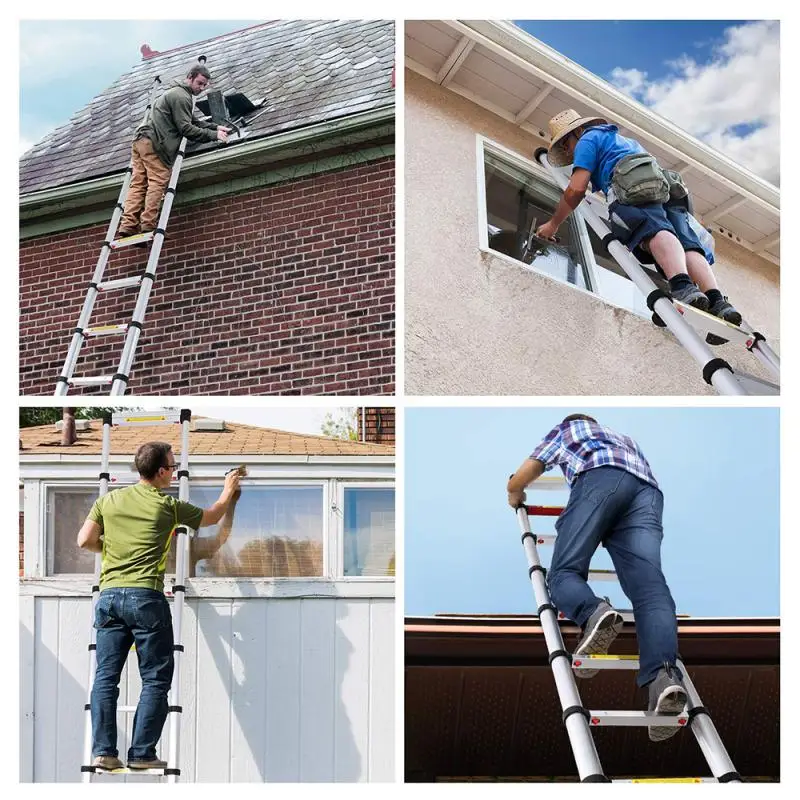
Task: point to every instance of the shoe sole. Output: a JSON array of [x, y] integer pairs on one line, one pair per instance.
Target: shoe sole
[[598, 640], [671, 701]]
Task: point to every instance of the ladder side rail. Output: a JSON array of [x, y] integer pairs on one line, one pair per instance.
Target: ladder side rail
[[120, 382], [721, 378], [179, 590], [62, 384], [707, 735], [580, 737], [98, 561]]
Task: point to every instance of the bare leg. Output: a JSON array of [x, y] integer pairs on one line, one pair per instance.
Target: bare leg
[[700, 271], [668, 253]]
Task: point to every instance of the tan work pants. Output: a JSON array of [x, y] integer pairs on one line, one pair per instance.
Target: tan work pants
[[148, 182]]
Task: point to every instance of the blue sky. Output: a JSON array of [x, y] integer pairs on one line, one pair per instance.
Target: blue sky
[[718, 469], [64, 64], [716, 79]]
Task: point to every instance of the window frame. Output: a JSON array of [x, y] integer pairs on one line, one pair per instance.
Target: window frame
[[484, 145], [337, 512], [40, 580]]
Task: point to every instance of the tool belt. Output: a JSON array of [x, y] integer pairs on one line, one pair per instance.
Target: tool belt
[[638, 181]]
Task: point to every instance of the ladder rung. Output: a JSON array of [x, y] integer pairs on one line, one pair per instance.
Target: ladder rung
[[126, 709], [602, 575], [120, 283], [703, 322], [132, 420], [106, 330], [544, 511], [129, 771], [98, 380], [605, 662], [664, 780], [129, 241], [545, 538], [640, 719]]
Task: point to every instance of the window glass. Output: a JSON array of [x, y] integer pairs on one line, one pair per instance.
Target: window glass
[[67, 509], [517, 202], [369, 531], [268, 532]]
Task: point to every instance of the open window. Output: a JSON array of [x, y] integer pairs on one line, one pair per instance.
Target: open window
[[516, 196]]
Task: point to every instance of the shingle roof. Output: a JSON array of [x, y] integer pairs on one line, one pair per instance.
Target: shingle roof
[[237, 439], [306, 71]]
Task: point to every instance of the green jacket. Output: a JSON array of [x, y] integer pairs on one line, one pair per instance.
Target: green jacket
[[170, 120]]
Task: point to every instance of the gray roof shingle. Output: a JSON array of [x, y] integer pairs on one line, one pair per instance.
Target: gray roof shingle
[[305, 71]]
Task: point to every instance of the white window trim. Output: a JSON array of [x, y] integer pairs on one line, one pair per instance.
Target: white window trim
[[482, 145], [37, 583], [337, 509]]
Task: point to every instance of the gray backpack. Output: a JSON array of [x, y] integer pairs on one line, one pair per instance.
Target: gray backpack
[[638, 180]]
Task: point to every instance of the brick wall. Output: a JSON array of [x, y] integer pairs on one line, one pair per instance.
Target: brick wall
[[379, 425], [283, 290]]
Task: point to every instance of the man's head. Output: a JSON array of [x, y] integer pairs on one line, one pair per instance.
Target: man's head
[[565, 130], [155, 463], [573, 417], [198, 79]]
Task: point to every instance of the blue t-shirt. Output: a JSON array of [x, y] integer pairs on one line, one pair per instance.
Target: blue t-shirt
[[599, 149]]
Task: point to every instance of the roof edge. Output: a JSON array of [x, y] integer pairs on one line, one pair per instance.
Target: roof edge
[[506, 36]]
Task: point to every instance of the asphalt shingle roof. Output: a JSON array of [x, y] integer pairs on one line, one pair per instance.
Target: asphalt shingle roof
[[305, 71], [237, 439]]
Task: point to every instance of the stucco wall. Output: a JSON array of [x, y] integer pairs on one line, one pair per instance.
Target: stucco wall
[[477, 324]]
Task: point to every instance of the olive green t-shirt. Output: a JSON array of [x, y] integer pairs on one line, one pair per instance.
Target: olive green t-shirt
[[137, 523]]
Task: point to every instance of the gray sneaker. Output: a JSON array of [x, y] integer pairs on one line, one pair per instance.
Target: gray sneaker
[[724, 310], [107, 763], [691, 296], [667, 696], [147, 763], [599, 632]]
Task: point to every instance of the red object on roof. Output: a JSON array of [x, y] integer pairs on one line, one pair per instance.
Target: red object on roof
[[148, 52]]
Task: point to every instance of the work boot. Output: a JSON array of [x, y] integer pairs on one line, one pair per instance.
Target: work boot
[[691, 296], [147, 763], [667, 696], [724, 310], [124, 233], [108, 763], [599, 632]]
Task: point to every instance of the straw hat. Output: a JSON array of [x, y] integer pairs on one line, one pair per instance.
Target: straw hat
[[561, 125]]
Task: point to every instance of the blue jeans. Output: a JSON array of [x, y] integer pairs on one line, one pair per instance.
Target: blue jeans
[[124, 617], [612, 507]]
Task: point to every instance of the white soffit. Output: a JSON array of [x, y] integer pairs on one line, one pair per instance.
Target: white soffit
[[501, 68]]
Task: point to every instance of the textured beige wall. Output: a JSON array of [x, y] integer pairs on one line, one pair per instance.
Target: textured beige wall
[[477, 324]]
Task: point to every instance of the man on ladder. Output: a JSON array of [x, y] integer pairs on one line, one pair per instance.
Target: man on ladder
[[640, 214], [132, 529], [614, 501], [155, 147]]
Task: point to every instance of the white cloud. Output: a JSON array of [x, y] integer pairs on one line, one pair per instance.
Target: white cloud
[[738, 86]]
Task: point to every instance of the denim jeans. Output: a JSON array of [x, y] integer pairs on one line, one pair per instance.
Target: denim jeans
[[124, 617], [612, 507]]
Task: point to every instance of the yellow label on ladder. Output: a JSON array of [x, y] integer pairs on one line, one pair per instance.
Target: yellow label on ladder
[[611, 658], [667, 780]]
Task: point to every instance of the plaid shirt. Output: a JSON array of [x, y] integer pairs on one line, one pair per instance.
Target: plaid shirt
[[581, 445]]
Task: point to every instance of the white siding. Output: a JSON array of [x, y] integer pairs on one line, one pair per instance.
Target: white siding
[[297, 689]]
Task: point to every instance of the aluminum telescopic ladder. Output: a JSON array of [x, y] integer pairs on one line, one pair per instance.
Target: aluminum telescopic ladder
[[578, 720], [691, 327], [178, 590], [133, 329]]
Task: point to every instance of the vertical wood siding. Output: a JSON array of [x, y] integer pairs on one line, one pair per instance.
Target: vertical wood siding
[[272, 690]]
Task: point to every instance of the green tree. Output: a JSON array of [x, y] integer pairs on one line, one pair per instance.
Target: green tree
[[341, 424]]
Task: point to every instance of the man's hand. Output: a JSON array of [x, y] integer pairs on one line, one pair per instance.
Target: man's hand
[[547, 231], [222, 133], [516, 499], [231, 483]]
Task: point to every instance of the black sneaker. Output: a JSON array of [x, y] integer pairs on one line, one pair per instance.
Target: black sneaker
[[667, 696], [724, 310], [598, 634], [691, 296]]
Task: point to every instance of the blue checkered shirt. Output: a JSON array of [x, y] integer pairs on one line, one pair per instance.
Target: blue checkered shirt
[[581, 445]]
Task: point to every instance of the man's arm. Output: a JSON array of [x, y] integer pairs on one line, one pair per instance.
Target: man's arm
[[89, 536], [570, 200], [529, 471], [182, 116], [213, 514]]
